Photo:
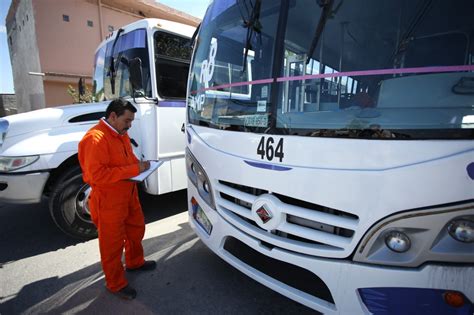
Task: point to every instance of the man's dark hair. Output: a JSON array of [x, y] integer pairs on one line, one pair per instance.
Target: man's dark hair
[[119, 106]]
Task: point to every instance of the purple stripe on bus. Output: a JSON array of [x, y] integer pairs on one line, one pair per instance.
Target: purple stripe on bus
[[268, 166], [224, 86], [379, 72], [470, 170], [172, 104], [344, 74]]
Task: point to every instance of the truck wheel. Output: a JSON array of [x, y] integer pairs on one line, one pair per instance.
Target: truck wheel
[[69, 205]]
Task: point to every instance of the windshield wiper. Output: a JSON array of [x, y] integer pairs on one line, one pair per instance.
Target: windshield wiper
[[253, 25], [325, 14], [112, 70], [412, 27]]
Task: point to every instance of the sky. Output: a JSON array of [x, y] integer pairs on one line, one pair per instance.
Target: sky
[[195, 8]]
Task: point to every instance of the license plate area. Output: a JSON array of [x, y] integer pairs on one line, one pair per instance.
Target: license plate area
[[200, 217]]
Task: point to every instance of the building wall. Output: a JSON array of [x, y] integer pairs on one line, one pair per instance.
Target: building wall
[[56, 92], [67, 48], [116, 19], [24, 57]]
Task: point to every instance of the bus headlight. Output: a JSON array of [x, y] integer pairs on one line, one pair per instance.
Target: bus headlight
[[191, 169], [412, 238], [12, 163], [199, 178], [462, 230], [205, 186], [397, 241]]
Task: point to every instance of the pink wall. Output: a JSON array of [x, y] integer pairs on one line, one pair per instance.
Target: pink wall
[[69, 47], [64, 51], [66, 47], [55, 90], [116, 19]]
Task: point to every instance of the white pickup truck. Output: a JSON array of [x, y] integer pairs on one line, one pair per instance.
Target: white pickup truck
[[145, 62]]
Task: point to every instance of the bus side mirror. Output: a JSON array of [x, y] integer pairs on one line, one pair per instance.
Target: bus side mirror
[[135, 69]]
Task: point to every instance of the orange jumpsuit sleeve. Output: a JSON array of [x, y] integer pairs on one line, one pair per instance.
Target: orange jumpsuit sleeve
[[95, 160]]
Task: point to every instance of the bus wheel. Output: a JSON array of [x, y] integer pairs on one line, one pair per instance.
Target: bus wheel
[[69, 207]]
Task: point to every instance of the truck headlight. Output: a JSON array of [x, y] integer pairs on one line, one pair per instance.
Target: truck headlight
[[199, 178], [12, 163], [462, 230]]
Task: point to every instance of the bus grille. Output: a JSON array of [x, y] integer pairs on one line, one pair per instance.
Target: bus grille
[[307, 228]]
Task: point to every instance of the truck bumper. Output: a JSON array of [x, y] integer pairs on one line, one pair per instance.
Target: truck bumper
[[22, 188], [334, 286]]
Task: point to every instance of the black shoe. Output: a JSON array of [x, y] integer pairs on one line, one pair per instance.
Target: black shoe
[[127, 293], [147, 266]]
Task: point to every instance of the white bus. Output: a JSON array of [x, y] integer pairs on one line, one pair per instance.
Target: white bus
[[333, 161]]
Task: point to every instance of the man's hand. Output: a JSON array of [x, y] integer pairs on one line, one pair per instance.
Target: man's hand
[[144, 165]]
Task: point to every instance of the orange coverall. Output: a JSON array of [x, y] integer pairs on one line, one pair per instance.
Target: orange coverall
[[107, 160]]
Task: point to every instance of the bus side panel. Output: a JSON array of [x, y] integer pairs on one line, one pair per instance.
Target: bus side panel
[[171, 143], [178, 168]]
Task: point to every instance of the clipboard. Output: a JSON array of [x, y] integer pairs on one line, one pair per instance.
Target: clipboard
[[154, 165]]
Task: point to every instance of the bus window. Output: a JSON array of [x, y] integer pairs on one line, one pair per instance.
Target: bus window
[[398, 74], [172, 55], [130, 45]]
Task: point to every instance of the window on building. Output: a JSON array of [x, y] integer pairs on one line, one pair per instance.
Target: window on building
[[65, 18], [27, 17], [111, 28], [90, 23], [11, 40]]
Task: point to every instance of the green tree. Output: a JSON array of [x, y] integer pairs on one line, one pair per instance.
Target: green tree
[[86, 97]]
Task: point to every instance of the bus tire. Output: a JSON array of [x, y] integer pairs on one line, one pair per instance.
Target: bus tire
[[68, 205]]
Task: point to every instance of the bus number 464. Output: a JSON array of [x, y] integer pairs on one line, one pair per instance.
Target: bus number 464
[[266, 149]]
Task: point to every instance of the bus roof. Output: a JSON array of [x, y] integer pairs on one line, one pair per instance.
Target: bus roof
[[168, 26]]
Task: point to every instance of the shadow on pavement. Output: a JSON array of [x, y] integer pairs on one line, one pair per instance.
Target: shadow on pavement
[[163, 206], [28, 230], [189, 279]]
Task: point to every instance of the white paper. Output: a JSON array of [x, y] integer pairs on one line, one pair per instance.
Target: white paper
[[262, 106], [143, 175]]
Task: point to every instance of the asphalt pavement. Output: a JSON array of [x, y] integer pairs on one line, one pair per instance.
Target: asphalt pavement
[[43, 271]]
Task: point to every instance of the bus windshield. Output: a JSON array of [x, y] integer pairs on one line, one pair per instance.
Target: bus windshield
[[128, 46], [356, 69], [172, 55]]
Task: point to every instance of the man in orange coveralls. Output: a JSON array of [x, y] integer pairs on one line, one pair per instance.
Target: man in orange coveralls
[[107, 161]]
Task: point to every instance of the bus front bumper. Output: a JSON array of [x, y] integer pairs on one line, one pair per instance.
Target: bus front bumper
[[353, 288]]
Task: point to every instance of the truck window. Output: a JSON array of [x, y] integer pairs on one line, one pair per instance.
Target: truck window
[[172, 56]]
